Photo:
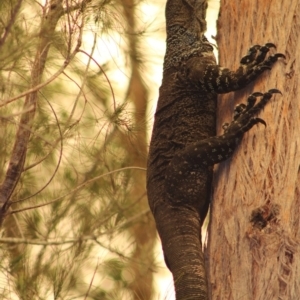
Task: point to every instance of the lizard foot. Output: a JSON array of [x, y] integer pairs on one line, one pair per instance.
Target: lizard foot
[[222, 80], [219, 148], [188, 165], [256, 62], [243, 117]]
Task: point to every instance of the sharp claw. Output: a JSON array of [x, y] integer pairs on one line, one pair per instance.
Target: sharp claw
[[270, 45], [280, 55], [259, 120], [275, 91]]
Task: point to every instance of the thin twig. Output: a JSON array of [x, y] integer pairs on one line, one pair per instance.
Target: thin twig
[[107, 79], [59, 159], [90, 285], [83, 81]]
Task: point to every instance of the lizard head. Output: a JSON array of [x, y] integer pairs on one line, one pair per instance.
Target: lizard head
[[189, 14]]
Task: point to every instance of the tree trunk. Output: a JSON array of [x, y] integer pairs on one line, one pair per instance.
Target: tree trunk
[[254, 233], [142, 265]]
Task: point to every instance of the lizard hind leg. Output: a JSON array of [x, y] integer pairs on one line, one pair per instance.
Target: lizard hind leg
[[223, 146], [218, 148], [185, 171]]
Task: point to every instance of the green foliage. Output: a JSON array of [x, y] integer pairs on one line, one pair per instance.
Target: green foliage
[[70, 208]]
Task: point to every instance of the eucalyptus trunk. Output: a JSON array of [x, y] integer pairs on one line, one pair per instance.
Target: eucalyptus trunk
[[253, 245]]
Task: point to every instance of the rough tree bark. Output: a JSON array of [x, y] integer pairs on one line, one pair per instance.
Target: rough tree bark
[[254, 232]]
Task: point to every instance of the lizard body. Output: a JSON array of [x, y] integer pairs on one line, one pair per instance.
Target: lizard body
[[184, 146]]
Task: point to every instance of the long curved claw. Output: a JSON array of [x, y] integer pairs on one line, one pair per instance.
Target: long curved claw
[[270, 45], [274, 91], [280, 55], [259, 120]]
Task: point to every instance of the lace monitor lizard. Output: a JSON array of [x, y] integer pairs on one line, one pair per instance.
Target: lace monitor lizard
[[184, 146]]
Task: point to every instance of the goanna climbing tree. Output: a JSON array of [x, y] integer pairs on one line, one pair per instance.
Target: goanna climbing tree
[[184, 147], [255, 226]]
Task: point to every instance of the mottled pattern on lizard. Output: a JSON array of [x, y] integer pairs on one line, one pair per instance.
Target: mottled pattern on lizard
[[183, 146]]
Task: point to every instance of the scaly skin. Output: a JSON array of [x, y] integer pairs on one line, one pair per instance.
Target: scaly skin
[[184, 147]]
